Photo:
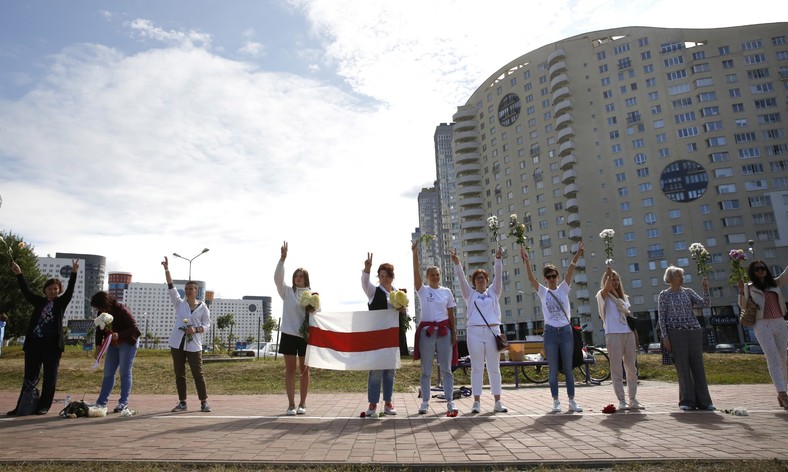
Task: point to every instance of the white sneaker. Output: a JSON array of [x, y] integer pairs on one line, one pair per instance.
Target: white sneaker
[[477, 407], [291, 411], [556, 406], [450, 406], [372, 412], [499, 407], [389, 409], [300, 410], [425, 406], [574, 406], [622, 405], [636, 405]]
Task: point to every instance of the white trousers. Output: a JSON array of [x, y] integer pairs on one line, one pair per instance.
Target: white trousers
[[484, 351]]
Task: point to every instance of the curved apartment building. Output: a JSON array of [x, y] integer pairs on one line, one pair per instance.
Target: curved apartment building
[[667, 136]]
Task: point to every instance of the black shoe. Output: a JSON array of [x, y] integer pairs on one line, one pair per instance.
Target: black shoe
[[12, 412], [42, 411]]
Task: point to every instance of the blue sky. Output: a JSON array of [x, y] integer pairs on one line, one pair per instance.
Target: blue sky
[[134, 129]]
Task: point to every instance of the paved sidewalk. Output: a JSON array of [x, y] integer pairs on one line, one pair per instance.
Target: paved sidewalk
[[252, 429]]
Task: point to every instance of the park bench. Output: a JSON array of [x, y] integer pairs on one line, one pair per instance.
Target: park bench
[[523, 354]]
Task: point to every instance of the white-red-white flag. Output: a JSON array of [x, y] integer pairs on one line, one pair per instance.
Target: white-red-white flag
[[357, 340]]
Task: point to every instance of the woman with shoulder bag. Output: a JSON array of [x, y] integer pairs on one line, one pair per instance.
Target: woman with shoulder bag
[[558, 337], [484, 326], [620, 339], [770, 328]]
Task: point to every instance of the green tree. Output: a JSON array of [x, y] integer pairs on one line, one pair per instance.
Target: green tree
[[224, 322], [12, 302], [269, 325]]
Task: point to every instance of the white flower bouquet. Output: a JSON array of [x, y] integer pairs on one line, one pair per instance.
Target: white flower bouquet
[[186, 324], [399, 300], [104, 322], [607, 237], [310, 302], [517, 230], [701, 257], [492, 223]]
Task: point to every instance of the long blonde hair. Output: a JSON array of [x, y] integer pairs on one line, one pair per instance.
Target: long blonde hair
[[618, 293]]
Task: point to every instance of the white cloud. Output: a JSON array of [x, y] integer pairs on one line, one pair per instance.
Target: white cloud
[[145, 29]]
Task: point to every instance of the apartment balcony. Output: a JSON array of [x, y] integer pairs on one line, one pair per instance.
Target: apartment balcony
[[575, 234], [474, 167], [476, 247], [472, 212], [564, 120], [469, 179], [568, 176], [470, 201], [556, 55], [470, 190], [465, 135], [566, 148], [571, 205], [573, 219], [581, 264], [561, 93], [467, 224], [565, 134], [466, 146], [559, 81], [580, 279], [459, 158], [571, 190], [563, 107], [558, 67], [464, 114], [656, 254], [568, 161], [582, 294], [474, 235], [584, 309]]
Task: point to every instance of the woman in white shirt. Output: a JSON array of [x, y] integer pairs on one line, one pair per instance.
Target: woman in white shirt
[[484, 325], [621, 341]]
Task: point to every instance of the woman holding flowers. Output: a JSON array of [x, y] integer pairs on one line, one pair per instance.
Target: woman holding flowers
[[683, 337], [45, 340], [621, 341], [484, 325], [558, 338], [770, 328], [436, 332], [122, 350], [293, 342], [192, 320], [380, 298]]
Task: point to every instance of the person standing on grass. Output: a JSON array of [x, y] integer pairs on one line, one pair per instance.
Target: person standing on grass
[[621, 341], [45, 339], [558, 337], [293, 345], [770, 328], [378, 298], [192, 320], [436, 332], [484, 324], [683, 337], [121, 351]]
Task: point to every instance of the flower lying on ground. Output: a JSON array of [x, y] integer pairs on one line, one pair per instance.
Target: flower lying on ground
[[609, 409], [738, 411]]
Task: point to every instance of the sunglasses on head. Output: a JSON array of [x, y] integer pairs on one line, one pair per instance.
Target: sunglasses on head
[[551, 276], [759, 269]]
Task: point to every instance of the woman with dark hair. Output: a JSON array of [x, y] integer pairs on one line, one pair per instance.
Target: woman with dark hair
[[122, 349], [484, 325], [770, 328], [621, 341], [683, 337], [558, 338], [292, 344], [45, 339], [378, 298]]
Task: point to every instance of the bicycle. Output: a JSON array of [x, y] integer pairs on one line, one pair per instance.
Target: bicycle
[[598, 371]]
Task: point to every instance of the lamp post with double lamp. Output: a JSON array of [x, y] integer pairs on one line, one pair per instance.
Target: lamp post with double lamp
[[190, 260]]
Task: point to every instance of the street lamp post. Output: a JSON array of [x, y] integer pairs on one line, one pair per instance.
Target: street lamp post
[[190, 260], [146, 330]]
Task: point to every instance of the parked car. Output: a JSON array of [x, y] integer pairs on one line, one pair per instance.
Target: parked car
[[729, 348], [654, 348], [753, 349], [261, 349]]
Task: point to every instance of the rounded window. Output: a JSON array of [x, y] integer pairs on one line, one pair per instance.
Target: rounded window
[[509, 109], [684, 181]]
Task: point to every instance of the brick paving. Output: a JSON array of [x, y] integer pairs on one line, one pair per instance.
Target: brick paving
[[253, 429]]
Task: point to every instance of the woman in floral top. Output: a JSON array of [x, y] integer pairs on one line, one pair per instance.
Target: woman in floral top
[[684, 338]]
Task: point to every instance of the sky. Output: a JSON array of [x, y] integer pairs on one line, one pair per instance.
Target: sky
[[134, 129]]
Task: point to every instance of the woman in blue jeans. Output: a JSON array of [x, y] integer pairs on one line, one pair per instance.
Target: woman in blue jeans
[[122, 350], [558, 338]]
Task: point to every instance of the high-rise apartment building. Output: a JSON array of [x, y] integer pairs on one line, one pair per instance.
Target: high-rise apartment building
[[118, 283], [95, 268], [60, 268], [667, 136]]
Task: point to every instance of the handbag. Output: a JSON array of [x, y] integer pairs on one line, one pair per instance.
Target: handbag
[[632, 322], [747, 316], [577, 337], [500, 339]]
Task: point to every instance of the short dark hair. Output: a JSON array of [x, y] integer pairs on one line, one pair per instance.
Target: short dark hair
[[54, 281], [548, 269]]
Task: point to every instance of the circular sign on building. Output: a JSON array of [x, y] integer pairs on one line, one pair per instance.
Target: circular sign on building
[[683, 181], [65, 271], [509, 109]]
